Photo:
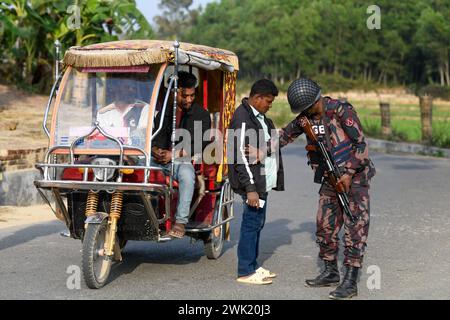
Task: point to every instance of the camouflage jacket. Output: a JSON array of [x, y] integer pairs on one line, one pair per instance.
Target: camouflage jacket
[[341, 129]]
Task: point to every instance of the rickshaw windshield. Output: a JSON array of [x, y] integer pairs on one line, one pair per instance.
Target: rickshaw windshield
[[118, 101]]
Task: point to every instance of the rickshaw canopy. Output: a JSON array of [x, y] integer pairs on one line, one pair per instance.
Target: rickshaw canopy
[[145, 52]]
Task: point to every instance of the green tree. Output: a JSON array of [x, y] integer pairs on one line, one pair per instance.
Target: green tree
[[176, 17], [30, 27], [433, 37]]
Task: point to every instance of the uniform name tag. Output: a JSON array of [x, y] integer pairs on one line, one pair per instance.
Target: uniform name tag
[[319, 129]]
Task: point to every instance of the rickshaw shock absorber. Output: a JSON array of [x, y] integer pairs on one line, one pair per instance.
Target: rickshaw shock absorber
[[114, 216], [91, 203]]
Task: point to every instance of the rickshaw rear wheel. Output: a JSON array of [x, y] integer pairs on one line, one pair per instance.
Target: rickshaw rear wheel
[[216, 239], [96, 266]]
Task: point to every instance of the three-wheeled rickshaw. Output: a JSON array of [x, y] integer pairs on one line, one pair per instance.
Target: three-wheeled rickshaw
[[100, 176]]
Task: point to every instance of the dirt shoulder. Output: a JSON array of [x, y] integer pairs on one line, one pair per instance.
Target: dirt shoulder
[[17, 216], [21, 117]]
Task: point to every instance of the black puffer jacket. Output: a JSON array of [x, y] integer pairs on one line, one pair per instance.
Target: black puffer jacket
[[246, 177]]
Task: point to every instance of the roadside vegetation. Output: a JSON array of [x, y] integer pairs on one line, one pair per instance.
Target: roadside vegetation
[[405, 119]]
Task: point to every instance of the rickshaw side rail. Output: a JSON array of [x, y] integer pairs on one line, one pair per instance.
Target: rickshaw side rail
[[226, 198], [96, 166], [209, 228], [45, 166], [99, 185], [163, 111], [49, 103]]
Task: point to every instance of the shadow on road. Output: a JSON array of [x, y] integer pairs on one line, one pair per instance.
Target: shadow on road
[[27, 234], [274, 235], [138, 253]]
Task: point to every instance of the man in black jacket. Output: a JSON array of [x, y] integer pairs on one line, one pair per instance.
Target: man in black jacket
[[252, 179], [192, 121]]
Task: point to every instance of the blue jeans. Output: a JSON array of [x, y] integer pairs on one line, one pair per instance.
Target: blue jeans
[[253, 220], [184, 173]]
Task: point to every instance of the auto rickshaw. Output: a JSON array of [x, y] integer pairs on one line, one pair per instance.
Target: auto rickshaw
[[100, 177]]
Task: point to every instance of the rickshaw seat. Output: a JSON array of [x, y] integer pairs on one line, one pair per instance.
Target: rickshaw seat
[[209, 173], [160, 178]]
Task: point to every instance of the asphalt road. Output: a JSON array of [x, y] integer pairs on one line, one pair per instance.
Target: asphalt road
[[409, 244]]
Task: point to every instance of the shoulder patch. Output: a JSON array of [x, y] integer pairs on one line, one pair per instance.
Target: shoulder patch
[[302, 122], [349, 122]]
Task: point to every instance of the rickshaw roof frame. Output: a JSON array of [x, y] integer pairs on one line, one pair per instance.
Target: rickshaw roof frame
[[131, 69], [145, 52], [136, 54]]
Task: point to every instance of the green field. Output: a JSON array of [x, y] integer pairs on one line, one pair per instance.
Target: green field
[[405, 120]]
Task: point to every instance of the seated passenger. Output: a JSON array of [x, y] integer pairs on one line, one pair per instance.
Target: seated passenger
[[190, 117]]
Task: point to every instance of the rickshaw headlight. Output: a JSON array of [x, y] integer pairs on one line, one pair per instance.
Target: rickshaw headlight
[[100, 172]]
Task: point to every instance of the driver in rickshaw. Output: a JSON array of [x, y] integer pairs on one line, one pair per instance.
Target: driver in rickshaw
[[126, 110], [190, 116]]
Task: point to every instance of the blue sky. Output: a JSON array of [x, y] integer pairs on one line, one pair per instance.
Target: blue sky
[[150, 7]]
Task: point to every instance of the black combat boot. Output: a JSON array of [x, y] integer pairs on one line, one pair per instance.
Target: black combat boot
[[348, 288], [328, 277]]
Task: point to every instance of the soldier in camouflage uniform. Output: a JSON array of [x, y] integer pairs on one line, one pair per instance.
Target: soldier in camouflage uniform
[[337, 124]]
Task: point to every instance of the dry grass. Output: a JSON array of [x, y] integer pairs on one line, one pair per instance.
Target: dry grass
[[405, 115]]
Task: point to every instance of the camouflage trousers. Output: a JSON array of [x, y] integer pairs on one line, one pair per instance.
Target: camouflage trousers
[[331, 218]]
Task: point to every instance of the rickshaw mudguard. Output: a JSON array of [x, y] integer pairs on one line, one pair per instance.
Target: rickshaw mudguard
[[97, 218]]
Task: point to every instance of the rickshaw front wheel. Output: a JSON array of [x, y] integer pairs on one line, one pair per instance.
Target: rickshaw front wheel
[[96, 265]]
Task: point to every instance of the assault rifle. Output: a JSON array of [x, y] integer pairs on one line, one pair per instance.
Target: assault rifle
[[334, 174]]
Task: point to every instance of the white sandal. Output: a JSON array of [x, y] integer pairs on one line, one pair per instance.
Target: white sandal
[[266, 273], [256, 278]]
